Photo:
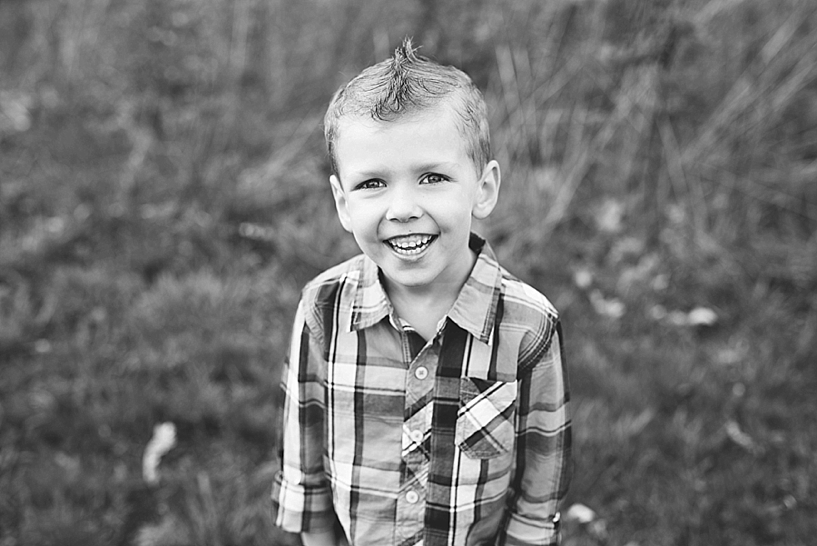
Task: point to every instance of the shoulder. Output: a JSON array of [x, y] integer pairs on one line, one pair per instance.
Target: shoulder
[[525, 303], [331, 294], [326, 289], [529, 313]]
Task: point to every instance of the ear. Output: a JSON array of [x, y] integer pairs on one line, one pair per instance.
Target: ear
[[487, 191], [341, 204]]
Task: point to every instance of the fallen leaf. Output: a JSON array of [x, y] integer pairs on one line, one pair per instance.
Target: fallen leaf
[[163, 440], [580, 514], [612, 307], [702, 316]]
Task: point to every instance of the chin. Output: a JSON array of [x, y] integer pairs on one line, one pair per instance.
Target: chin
[[407, 280]]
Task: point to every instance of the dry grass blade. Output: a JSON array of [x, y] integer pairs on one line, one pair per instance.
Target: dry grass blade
[[635, 101], [775, 79], [238, 41], [713, 8], [768, 188], [677, 175]]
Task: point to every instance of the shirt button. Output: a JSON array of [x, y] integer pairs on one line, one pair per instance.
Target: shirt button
[[421, 373], [412, 497], [417, 436]]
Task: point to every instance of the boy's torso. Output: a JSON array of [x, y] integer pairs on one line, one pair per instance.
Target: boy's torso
[[420, 437]]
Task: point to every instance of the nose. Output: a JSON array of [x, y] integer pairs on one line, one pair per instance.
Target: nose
[[404, 205]]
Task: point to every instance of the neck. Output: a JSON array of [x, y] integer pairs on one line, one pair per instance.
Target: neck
[[422, 311], [424, 306]]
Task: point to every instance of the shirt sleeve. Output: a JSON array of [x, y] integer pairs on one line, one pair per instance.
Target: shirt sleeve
[[301, 497], [543, 465]]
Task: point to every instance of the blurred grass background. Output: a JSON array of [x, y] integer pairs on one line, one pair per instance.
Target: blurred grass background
[[164, 196]]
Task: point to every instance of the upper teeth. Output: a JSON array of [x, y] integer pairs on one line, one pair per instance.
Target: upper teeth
[[410, 242]]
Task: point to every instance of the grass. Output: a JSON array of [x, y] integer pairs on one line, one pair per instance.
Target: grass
[[164, 196]]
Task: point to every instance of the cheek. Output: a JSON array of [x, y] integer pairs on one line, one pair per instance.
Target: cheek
[[363, 218], [453, 213]]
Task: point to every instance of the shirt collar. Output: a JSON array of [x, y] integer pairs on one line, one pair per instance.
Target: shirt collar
[[371, 304], [474, 310]]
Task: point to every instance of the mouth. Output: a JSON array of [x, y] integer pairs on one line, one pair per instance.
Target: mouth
[[410, 245]]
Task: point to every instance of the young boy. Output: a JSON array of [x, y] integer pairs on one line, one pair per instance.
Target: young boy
[[426, 397]]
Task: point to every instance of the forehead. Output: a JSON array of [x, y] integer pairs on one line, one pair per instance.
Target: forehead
[[431, 132]]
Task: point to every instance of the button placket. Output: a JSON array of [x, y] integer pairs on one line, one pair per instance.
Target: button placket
[[410, 513], [416, 424]]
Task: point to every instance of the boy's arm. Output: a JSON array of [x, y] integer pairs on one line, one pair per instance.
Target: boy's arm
[[543, 461], [301, 498]]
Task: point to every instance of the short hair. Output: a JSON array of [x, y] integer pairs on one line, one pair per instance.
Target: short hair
[[409, 83]]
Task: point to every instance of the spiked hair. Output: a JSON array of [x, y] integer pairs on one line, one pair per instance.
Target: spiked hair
[[405, 84]]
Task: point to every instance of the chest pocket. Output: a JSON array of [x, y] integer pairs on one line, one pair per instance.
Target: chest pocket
[[485, 420]]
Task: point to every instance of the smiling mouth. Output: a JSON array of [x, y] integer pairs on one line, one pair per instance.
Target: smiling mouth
[[410, 245]]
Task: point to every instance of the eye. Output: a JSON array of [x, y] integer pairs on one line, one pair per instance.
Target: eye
[[433, 178], [372, 184]]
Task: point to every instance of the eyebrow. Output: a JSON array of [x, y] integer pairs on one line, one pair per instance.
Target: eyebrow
[[438, 166]]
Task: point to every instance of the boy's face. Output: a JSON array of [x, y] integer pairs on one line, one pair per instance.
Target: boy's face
[[407, 191]]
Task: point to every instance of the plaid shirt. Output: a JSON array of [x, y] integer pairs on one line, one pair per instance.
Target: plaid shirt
[[463, 440]]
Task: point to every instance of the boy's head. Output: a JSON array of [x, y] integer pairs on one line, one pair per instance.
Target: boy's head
[[408, 84], [409, 145]]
